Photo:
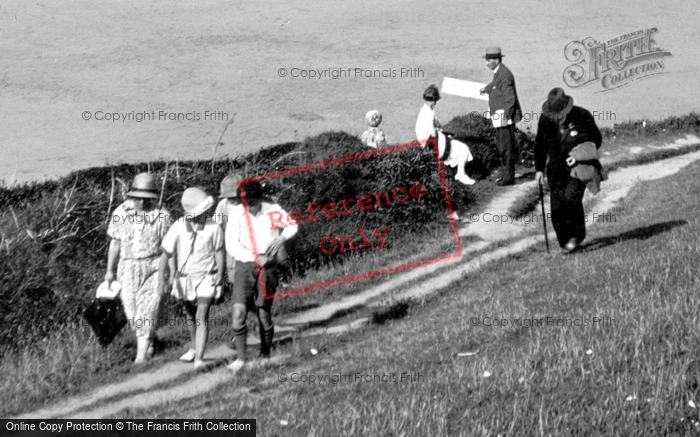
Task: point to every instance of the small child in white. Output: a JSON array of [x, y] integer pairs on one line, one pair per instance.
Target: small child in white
[[374, 136], [197, 244]]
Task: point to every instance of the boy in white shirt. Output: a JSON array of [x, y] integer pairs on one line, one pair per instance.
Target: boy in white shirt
[[197, 243], [250, 235]]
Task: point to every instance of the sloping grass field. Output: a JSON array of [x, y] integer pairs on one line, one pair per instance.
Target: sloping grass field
[[612, 323], [603, 342], [53, 248]]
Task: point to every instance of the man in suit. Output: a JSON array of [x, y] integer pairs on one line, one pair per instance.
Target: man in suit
[[505, 112], [563, 126]]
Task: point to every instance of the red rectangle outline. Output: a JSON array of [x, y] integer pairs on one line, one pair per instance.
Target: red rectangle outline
[[333, 161]]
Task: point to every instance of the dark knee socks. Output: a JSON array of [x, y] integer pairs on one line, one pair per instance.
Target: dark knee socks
[[239, 339], [267, 331], [266, 336]]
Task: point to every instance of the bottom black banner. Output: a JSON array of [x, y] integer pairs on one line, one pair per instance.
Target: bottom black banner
[[131, 427]]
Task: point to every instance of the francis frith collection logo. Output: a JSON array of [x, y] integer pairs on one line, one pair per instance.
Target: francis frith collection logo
[[614, 63]]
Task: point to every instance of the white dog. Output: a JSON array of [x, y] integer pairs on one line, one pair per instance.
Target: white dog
[[458, 156]]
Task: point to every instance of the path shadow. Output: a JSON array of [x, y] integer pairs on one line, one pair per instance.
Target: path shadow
[[636, 234], [354, 310]]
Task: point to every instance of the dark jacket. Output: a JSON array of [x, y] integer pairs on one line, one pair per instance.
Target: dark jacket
[[503, 94], [553, 146]]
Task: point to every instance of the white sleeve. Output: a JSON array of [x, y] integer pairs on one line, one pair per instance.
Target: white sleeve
[[289, 230], [425, 125], [170, 240]]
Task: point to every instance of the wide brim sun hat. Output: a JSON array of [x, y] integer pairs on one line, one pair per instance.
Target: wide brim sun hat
[[229, 186], [143, 186], [196, 202]]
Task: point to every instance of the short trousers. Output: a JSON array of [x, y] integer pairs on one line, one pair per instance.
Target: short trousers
[[248, 288], [201, 289]]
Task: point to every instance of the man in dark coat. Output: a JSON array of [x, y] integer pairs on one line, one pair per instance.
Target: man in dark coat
[[562, 126], [504, 107]]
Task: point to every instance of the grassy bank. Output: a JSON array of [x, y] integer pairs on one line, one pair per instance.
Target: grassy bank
[[602, 342], [61, 225]]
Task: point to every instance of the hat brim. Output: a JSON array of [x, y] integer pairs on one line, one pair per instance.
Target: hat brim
[[566, 110], [494, 56], [202, 207], [142, 194]]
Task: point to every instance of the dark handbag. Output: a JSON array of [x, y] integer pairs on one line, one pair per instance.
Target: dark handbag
[[106, 318]]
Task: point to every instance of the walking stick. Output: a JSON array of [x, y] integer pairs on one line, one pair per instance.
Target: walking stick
[[544, 216]]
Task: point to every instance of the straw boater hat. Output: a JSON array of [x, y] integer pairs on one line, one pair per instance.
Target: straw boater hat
[[558, 104], [493, 52], [229, 186], [196, 202], [143, 186]]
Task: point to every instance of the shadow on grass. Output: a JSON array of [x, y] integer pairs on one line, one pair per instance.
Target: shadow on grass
[[356, 311], [398, 310], [636, 234]]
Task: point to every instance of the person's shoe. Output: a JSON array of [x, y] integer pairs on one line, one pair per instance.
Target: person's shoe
[[503, 182], [466, 180], [260, 363], [200, 366], [236, 366], [188, 356]]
